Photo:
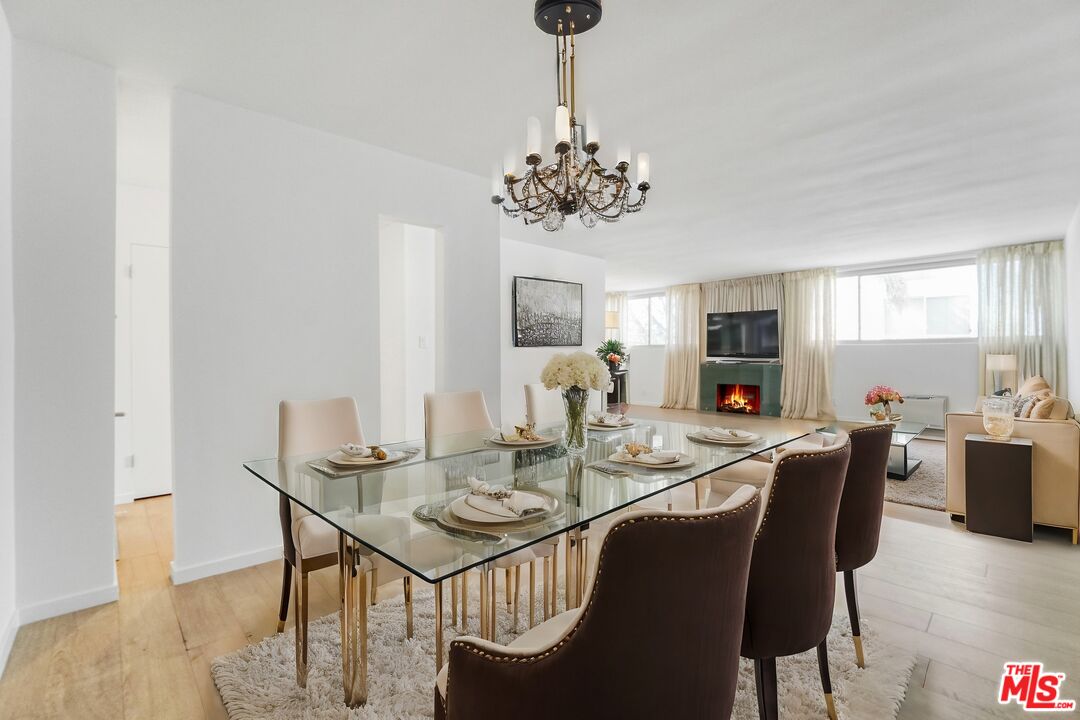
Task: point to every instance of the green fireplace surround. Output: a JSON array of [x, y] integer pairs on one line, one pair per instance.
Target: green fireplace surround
[[766, 376]]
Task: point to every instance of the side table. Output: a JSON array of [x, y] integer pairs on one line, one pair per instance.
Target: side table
[[998, 481]]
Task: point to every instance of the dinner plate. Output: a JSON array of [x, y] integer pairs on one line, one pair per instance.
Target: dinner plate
[[699, 436], [683, 461], [340, 459], [464, 511], [450, 518], [497, 439], [608, 428]]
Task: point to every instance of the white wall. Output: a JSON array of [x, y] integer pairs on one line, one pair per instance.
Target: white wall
[[275, 268], [521, 366], [646, 374], [64, 202], [1072, 311], [8, 616], [950, 369]]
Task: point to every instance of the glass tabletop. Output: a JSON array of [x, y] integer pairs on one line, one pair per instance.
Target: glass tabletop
[[904, 432], [399, 510]]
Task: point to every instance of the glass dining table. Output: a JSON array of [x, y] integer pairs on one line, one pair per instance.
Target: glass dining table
[[399, 511]]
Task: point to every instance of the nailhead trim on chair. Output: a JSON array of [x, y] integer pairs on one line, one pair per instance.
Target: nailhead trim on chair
[[776, 476], [753, 503]]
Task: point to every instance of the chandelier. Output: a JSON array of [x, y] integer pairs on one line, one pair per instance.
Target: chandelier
[[575, 183]]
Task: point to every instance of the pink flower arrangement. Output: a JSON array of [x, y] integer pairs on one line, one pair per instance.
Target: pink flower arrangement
[[883, 394]]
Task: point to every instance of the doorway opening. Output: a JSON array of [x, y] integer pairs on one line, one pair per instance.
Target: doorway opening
[[143, 405], [410, 326]]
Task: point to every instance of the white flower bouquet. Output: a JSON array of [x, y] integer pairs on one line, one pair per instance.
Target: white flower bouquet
[[575, 374], [579, 369]]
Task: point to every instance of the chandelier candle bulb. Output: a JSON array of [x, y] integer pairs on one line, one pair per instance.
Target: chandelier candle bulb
[[643, 168], [592, 128], [496, 184], [562, 126], [532, 137], [623, 156]]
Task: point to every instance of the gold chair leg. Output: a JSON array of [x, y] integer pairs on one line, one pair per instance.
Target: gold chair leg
[[492, 605], [354, 606], [464, 601], [453, 601], [554, 584], [860, 659], [407, 583], [830, 706], [532, 593], [439, 625], [517, 596], [583, 562], [547, 592], [374, 583], [300, 613], [506, 586], [569, 575], [483, 603]]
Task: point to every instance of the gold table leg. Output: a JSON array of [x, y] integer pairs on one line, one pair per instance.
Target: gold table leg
[[354, 604], [547, 587], [300, 593], [569, 574], [554, 584], [464, 601]]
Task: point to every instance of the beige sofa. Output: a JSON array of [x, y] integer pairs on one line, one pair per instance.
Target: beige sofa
[[1055, 471]]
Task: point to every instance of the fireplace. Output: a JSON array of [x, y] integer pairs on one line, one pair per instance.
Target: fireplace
[[738, 398]]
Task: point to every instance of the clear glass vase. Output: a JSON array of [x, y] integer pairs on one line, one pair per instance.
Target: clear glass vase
[[576, 404]]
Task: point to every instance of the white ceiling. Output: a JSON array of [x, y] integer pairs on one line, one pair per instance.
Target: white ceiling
[[783, 135]]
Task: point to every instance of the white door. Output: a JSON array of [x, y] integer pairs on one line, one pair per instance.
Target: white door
[[151, 386]]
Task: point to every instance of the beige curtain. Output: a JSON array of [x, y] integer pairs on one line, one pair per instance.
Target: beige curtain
[[808, 343], [761, 292], [1022, 310], [682, 357], [616, 302]]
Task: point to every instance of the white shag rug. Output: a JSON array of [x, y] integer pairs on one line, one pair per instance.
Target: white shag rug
[[259, 681]]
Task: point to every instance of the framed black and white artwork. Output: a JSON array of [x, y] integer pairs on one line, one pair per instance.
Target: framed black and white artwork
[[547, 313]]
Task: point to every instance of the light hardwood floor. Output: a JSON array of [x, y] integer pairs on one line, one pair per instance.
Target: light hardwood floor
[[964, 603]]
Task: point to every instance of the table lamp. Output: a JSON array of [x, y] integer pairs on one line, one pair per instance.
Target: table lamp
[[999, 365]]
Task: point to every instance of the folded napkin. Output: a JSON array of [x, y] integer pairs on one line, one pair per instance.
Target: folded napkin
[[498, 500], [355, 451], [656, 457], [718, 433]]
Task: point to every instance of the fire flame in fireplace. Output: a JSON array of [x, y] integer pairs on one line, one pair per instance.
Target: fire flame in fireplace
[[739, 398]]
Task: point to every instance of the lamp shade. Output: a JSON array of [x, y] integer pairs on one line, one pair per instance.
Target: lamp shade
[[1001, 363], [611, 320]]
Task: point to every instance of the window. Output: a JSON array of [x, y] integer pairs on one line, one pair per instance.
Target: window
[[923, 304], [646, 322]]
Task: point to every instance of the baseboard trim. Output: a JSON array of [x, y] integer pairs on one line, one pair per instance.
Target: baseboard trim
[[68, 604], [7, 639], [190, 573]]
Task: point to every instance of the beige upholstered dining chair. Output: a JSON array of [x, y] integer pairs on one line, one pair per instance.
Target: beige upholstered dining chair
[[310, 543], [543, 406], [452, 413], [648, 630]]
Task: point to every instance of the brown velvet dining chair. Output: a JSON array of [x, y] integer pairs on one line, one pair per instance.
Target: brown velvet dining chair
[[858, 525], [632, 634], [792, 584]]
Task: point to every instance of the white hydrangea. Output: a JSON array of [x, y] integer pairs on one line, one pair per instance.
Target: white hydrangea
[[579, 369]]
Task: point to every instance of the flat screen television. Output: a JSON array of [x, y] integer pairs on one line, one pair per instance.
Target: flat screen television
[[751, 335]]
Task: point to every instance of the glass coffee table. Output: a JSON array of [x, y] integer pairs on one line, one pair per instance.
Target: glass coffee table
[[901, 464]]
